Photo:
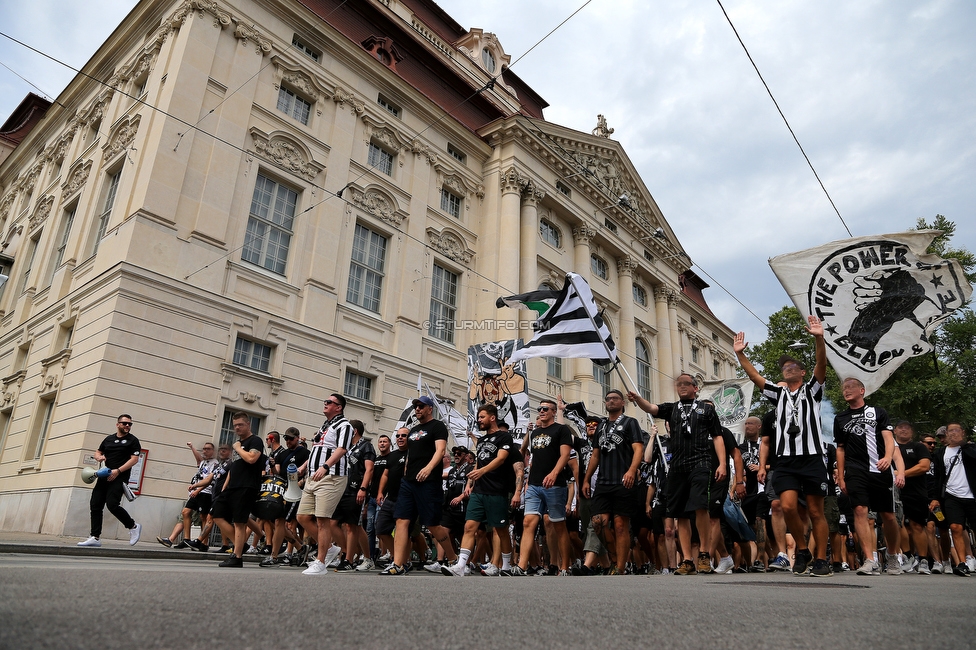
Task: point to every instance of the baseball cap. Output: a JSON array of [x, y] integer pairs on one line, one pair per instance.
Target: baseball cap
[[460, 449], [423, 399]]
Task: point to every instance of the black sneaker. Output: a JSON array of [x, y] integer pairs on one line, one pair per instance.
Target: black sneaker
[[345, 565], [181, 545], [264, 550], [838, 567], [165, 542], [581, 570], [232, 561], [225, 549], [821, 569], [740, 569], [961, 570], [757, 567], [802, 561], [270, 561]]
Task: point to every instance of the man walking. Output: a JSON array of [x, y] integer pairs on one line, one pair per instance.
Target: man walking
[[241, 488], [119, 452]]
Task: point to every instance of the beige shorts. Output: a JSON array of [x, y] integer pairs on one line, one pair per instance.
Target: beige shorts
[[320, 498]]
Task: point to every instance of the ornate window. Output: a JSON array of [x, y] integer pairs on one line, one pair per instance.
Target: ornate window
[[451, 203], [550, 233], [366, 269], [110, 191], [293, 106], [599, 267], [488, 60], [554, 367], [695, 354], [253, 355], [640, 296], [269, 226], [380, 159]]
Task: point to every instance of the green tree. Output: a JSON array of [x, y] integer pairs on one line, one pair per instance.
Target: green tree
[[942, 247]]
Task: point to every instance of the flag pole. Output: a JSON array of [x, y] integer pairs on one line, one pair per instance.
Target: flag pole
[[617, 366]]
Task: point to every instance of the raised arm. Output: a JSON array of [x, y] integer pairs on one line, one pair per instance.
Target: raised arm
[[739, 346], [815, 329]]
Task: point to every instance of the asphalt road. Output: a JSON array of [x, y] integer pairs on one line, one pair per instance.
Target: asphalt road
[[107, 603]]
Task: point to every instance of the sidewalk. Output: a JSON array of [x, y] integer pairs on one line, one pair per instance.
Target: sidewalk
[[147, 548]]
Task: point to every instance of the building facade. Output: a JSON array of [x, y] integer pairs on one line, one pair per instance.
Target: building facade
[[247, 205]]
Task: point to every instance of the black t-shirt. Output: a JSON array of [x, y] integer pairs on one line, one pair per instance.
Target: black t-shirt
[[118, 451], [456, 480], [615, 439], [769, 432], [379, 464], [693, 425], [396, 461], [750, 456], [242, 473], [831, 466], [545, 447], [915, 486], [361, 452], [729, 441], [298, 456], [488, 448], [421, 446], [861, 433]]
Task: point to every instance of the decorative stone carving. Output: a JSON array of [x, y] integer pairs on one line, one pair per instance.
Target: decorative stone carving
[[663, 293], [56, 152], [626, 266], [76, 179], [583, 235], [479, 191], [378, 205], [385, 137], [41, 212], [340, 96], [301, 82], [123, 137], [450, 245], [601, 130], [29, 179], [422, 150], [221, 18], [455, 184], [286, 153], [512, 182], [532, 195], [246, 33], [5, 204]]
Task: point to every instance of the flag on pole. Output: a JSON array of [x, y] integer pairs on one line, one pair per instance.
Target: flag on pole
[[537, 301], [571, 328], [880, 298], [732, 399]]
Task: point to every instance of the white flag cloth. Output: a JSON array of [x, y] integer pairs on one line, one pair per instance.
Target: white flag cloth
[[879, 297], [571, 328], [732, 398]]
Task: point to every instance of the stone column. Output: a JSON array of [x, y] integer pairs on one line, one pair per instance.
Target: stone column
[[582, 236], [665, 359], [529, 242], [627, 344], [674, 298], [509, 248]]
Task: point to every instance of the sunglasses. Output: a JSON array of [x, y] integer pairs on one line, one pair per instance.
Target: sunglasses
[[399, 436], [126, 424], [332, 402], [543, 409]]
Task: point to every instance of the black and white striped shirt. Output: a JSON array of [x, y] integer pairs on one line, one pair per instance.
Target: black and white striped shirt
[[797, 422], [334, 434]]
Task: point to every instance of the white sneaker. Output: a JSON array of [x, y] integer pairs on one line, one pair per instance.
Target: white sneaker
[[971, 563], [923, 568], [386, 557], [433, 567], [936, 567], [91, 541], [366, 565], [725, 565], [869, 568], [892, 566], [453, 571], [316, 568], [489, 570], [467, 569], [332, 556], [134, 534]]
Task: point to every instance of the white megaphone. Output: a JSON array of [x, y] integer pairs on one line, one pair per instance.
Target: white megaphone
[[88, 475], [293, 493]]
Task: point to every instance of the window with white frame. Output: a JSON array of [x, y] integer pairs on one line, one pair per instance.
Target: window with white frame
[[715, 368], [366, 269], [456, 154], [565, 191], [269, 226], [599, 267], [357, 386], [63, 234], [251, 354], [390, 107], [611, 226], [380, 159], [602, 377], [111, 189], [30, 255], [443, 304], [304, 48], [554, 367], [42, 426], [451, 203], [640, 296], [643, 370], [550, 233], [695, 354], [293, 105], [227, 436]]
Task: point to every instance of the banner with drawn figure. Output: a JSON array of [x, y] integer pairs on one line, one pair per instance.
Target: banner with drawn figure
[[880, 298], [491, 380], [732, 398]]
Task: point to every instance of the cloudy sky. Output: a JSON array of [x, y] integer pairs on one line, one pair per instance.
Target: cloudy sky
[[882, 95]]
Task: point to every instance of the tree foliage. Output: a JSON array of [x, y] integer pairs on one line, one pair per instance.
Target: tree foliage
[[942, 247]]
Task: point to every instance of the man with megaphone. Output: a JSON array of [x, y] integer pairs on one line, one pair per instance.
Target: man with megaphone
[[120, 452]]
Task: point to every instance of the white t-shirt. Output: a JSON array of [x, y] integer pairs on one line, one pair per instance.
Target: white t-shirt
[[958, 484]]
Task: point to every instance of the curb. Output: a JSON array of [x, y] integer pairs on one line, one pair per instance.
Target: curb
[[108, 551]]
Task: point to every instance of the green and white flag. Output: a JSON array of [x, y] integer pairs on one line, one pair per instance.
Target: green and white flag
[[537, 301]]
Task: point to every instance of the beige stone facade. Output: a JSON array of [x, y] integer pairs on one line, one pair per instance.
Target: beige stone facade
[[182, 263]]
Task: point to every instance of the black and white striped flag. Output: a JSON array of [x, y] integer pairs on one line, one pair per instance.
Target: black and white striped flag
[[571, 328]]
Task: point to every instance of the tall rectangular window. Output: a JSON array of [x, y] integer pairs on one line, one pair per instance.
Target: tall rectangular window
[[451, 203], [380, 159], [292, 105], [443, 304], [31, 253], [602, 377], [554, 367], [252, 355], [357, 386], [269, 227], [66, 223], [106, 213], [41, 428], [366, 269], [227, 436]]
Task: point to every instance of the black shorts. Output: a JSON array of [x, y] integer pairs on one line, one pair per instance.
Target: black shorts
[[268, 509], [959, 511], [234, 504], [291, 511], [385, 521], [688, 491], [806, 475], [870, 490], [572, 524], [420, 501], [750, 507], [453, 520], [916, 508], [639, 518], [200, 503], [613, 500], [717, 493], [348, 510], [658, 515]]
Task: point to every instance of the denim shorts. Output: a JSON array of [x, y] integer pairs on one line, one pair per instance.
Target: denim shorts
[[546, 501]]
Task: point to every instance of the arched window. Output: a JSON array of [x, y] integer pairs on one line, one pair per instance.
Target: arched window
[[550, 233], [599, 267], [640, 296]]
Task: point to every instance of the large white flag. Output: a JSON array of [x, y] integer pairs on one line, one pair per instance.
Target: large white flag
[[732, 398], [879, 297], [571, 328]]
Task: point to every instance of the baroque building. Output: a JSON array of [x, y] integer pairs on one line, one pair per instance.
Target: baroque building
[[247, 205]]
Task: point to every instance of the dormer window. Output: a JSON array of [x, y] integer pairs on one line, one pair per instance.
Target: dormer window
[[488, 60]]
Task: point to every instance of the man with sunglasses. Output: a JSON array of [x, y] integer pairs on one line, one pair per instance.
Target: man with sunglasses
[[914, 494], [120, 452], [201, 496], [549, 445]]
